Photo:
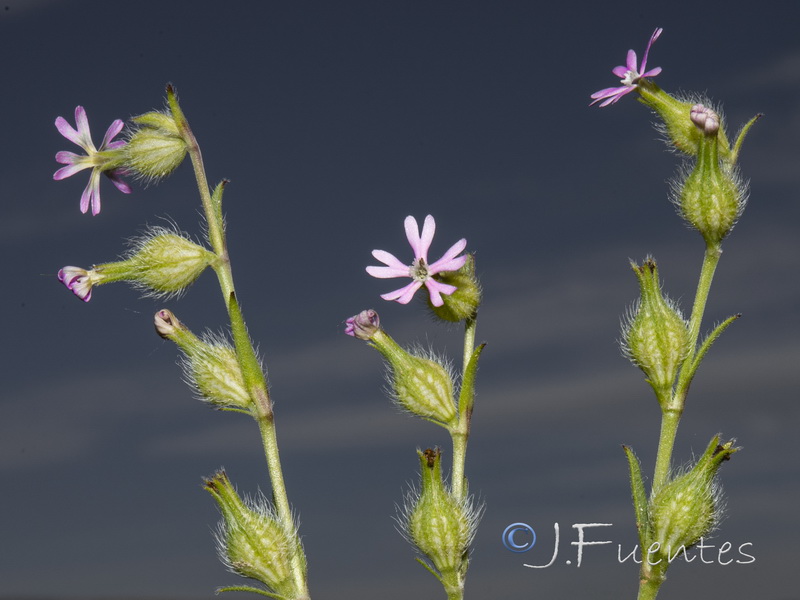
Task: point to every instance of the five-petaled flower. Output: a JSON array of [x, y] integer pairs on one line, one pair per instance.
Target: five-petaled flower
[[420, 271], [629, 75], [78, 281], [97, 160]]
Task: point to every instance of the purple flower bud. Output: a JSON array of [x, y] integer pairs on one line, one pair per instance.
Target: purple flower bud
[[363, 325], [166, 323], [705, 119]]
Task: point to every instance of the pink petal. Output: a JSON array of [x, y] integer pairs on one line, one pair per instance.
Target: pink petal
[[620, 71], [389, 259], [631, 61], [428, 229], [436, 289], [82, 123], [112, 131], [388, 272], [67, 158], [68, 131], [69, 171], [404, 294], [652, 72], [450, 261], [91, 194], [653, 38], [115, 179], [412, 234]]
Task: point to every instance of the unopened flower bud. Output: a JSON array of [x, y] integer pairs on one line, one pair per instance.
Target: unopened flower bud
[[209, 365], [164, 262], [712, 196], [705, 119], [463, 303], [687, 508], [167, 324], [253, 541], [156, 148], [439, 525], [421, 385], [363, 325], [656, 337]]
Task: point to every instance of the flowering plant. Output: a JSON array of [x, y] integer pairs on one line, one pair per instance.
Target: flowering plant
[[681, 507]]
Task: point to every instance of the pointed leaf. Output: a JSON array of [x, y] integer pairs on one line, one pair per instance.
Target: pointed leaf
[[640, 504], [466, 396], [706, 345]]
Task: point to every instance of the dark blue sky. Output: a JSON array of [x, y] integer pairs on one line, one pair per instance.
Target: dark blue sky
[[333, 122]]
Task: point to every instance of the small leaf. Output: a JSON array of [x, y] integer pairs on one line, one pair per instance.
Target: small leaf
[[466, 396], [640, 504]]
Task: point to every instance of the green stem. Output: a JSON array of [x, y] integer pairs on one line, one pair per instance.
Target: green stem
[[460, 435], [710, 262], [648, 588], [253, 374], [672, 410], [669, 429]]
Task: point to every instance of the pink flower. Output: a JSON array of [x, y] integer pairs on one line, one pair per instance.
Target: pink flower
[[629, 74], [97, 160], [78, 281], [419, 271]]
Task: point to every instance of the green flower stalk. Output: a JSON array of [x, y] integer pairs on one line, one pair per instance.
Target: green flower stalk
[[161, 263]]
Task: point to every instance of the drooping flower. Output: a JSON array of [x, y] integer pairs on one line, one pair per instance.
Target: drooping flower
[[629, 75], [78, 281], [420, 271], [100, 161]]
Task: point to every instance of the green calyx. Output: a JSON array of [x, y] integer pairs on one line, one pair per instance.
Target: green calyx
[[440, 525], [419, 384], [210, 365], [686, 508], [679, 513], [464, 302], [656, 338], [165, 262], [156, 147], [712, 197], [252, 541]]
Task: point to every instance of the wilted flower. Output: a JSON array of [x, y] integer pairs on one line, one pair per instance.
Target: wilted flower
[[100, 161], [78, 281], [420, 270], [629, 75]]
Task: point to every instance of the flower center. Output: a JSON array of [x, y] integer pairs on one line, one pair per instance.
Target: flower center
[[631, 78], [419, 270]]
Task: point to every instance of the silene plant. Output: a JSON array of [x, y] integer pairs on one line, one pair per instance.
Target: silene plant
[[683, 504], [258, 538]]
